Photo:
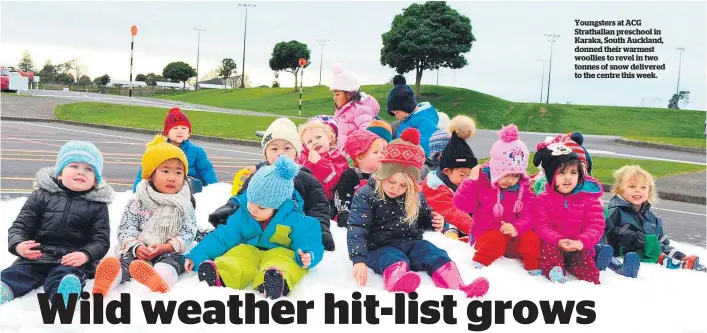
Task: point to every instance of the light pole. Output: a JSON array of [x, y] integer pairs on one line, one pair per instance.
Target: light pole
[[549, 73], [322, 43], [677, 90], [198, 41], [245, 27], [542, 80]]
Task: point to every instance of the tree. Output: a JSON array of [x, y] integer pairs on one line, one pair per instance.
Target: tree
[[140, 77], [286, 55], [178, 71], [49, 72], [102, 80], [84, 80], [26, 64], [226, 70], [426, 37], [151, 79], [682, 98]]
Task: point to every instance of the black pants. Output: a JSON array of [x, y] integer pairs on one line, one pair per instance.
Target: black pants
[[173, 259], [26, 276]]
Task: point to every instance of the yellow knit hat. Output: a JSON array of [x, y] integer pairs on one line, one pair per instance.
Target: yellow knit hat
[[158, 151]]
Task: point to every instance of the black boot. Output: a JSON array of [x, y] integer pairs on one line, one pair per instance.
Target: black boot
[[209, 274], [274, 286]]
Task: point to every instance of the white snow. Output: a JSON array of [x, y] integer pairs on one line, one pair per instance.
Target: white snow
[[659, 300]]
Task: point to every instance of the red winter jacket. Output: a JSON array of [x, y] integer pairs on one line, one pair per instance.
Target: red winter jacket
[[577, 216], [439, 197], [328, 170]]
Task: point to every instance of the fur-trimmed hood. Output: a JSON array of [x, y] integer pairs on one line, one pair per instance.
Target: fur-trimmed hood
[[45, 179]]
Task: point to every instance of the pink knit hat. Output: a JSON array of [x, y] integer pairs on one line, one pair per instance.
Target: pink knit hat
[[358, 142], [509, 155]]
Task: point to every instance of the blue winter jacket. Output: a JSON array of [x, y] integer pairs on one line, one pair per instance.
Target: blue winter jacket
[[425, 120], [199, 165], [624, 221], [289, 228]]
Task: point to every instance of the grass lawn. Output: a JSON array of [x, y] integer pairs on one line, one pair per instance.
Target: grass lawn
[[244, 127], [685, 142], [490, 112], [203, 123]]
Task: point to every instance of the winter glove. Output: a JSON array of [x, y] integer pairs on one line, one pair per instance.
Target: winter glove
[[342, 219], [328, 241], [196, 185], [220, 215], [637, 242]]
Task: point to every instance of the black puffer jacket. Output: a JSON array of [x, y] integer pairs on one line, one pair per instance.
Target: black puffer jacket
[[63, 221], [315, 204], [375, 223]]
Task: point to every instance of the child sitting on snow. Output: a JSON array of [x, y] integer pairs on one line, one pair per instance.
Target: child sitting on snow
[[321, 155], [63, 228], [268, 240], [569, 215], [158, 224], [281, 139], [633, 230], [366, 151], [388, 218], [177, 128], [455, 165], [501, 200]]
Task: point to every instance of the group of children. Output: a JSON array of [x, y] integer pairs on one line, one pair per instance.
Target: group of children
[[387, 184]]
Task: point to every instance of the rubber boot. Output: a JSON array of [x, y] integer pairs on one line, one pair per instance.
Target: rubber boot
[[70, 284], [630, 266], [209, 274], [144, 273], [604, 255], [6, 293], [108, 272], [398, 278], [448, 277]]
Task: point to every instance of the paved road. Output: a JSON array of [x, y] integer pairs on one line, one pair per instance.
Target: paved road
[[28, 146]]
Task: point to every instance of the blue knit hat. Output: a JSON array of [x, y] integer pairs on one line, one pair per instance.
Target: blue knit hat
[[272, 185], [438, 141], [80, 151]]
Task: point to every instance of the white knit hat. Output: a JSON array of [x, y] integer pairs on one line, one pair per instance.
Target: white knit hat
[[283, 129], [343, 80]]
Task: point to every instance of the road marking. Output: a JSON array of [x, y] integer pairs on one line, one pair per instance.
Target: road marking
[[132, 138], [611, 153], [670, 210]]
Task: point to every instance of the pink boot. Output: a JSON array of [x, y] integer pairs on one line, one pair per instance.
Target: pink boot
[[448, 277], [397, 277]]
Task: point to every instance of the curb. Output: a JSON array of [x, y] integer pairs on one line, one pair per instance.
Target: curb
[[660, 146], [680, 197], [215, 139]]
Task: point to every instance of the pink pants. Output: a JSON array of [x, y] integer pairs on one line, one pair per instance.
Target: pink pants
[[579, 264]]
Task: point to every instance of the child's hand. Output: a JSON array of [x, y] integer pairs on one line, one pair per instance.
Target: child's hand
[[508, 229], [74, 259], [437, 221], [360, 273], [158, 249], [143, 252], [24, 249], [305, 258], [314, 157], [474, 174], [566, 245], [188, 265], [577, 245]]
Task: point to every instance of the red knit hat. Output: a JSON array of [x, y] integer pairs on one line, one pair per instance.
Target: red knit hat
[[403, 154], [175, 117], [358, 142]]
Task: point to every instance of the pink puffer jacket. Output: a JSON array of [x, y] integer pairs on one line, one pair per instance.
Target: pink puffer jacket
[[327, 170], [353, 116], [479, 198], [577, 216]]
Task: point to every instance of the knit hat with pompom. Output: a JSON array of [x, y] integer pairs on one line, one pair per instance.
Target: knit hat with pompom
[[403, 154], [509, 155], [457, 153], [343, 80], [272, 185]]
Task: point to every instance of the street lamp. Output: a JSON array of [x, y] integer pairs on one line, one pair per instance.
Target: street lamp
[[322, 43], [549, 73], [245, 27], [542, 80], [198, 41], [677, 90]]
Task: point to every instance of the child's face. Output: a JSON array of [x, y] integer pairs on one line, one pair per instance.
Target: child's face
[[400, 115], [178, 134], [78, 176], [371, 160], [169, 177], [509, 180], [636, 191], [279, 147], [317, 139], [457, 175], [341, 98], [260, 214], [396, 185], [566, 180]]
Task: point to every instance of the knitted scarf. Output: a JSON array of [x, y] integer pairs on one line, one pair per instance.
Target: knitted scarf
[[168, 212]]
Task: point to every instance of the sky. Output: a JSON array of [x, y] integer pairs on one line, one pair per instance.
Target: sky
[[504, 61]]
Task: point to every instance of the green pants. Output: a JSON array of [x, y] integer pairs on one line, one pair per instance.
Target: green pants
[[245, 263]]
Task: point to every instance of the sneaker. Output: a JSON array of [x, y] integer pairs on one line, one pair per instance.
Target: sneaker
[[209, 274], [604, 255], [6, 293], [535, 272], [557, 275], [70, 284], [477, 265]]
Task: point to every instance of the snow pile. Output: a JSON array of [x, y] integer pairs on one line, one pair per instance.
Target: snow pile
[[659, 300]]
